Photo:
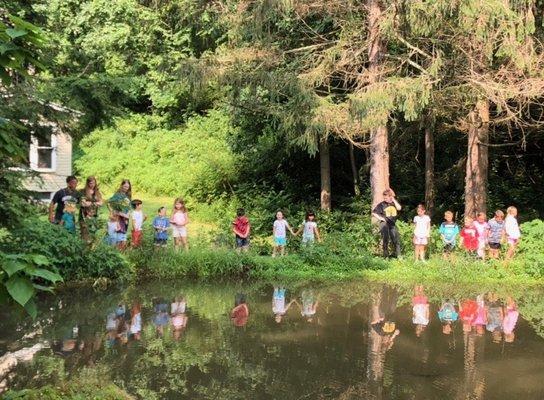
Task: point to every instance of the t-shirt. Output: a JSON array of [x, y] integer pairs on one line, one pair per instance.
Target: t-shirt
[[470, 237], [449, 230], [496, 229], [422, 226], [468, 311], [161, 222], [63, 196], [112, 228], [280, 228], [241, 224], [388, 211], [69, 222], [308, 229], [138, 218], [511, 227], [179, 219], [482, 228]]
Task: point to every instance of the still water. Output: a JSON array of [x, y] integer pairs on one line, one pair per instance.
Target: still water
[[294, 341]]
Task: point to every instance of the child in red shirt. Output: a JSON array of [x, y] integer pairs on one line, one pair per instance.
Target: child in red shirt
[[241, 229], [469, 236]]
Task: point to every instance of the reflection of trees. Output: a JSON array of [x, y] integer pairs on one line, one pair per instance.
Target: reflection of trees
[[473, 387]]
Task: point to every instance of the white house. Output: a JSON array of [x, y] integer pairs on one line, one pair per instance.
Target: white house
[[51, 158]]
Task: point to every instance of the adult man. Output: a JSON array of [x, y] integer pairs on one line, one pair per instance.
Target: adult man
[[386, 212], [68, 194]]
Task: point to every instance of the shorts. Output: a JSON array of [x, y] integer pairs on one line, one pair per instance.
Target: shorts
[[494, 246], [513, 241], [308, 239], [160, 242], [421, 240], [136, 238], [242, 242], [280, 241], [179, 231], [449, 247], [121, 236]]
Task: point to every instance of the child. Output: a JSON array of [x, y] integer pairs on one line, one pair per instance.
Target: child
[[161, 224], [467, 314], [138, 218], [510, 320], [448, 232], [240, 313], [179, 221], [447, 316], [136, 321], [279, 231], [513, 233], [482, 227], [309, 229], [495, 317], [480, 319], [68, 220], [469, 236], [496, 234], [113, 227], [178, 305], [241, 228], [278, 304], [422, 232]]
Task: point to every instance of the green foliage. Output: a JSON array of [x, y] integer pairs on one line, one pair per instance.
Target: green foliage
[[194, 161], [65, 252], [23, 275], [531, 247]]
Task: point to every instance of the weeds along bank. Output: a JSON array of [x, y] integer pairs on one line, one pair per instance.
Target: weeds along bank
[[348, 251]]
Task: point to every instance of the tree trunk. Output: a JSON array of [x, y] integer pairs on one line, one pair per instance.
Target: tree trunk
[[354, 172], [379, 147], [429, 165], [477, 160], [325, 164]]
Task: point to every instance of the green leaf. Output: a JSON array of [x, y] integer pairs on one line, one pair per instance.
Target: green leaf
[[40, 259], [42, 288], [15, 33], [45, 274], [12, 266], [31, 308], [20, 289]]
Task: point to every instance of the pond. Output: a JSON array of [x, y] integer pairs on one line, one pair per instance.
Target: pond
[[347, 341]]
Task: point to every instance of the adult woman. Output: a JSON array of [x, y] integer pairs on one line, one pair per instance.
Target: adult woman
[[91, 200], [119, 204]]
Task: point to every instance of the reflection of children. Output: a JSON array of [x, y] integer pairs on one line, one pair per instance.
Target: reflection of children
[[136, 321], [161, 317], [420, 310], [447, 315], [469, 236], [482, 227], [513, 234], [422, 232], [68, 220], [495, 317], [161, 224], [309, 305], [480, 319], [240, 313], [467, 314], [138, 218], [511, 315], [178, 305], [179, 322], [279, 231], [496, 234], [449, 231], [278, 303], [241, 229], [309, 229]]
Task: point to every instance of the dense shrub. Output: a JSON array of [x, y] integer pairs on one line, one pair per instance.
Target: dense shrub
[[66, 252], [195, 160]]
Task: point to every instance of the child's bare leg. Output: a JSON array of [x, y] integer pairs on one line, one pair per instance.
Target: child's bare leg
[[185, 243], [282, 250], [423, 248], [274, 251]]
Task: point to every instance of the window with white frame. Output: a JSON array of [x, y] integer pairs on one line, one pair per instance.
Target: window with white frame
[[43, 155]]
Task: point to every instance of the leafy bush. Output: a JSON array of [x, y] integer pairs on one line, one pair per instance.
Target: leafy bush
[[65, 251], [194, 161], [531, 247]]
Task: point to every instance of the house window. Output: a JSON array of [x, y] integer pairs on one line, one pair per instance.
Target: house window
[[43, 153]]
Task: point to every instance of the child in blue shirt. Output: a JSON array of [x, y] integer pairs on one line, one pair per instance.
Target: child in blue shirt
[[449, 231], [68, 220], [161, 225]]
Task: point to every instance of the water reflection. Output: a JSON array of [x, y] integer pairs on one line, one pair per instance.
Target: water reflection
[[343, 337]]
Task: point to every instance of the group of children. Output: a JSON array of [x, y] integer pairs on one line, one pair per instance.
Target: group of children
[[478, 236], [162, 224]]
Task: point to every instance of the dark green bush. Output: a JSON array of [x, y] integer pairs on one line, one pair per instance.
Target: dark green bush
[[66, 252]]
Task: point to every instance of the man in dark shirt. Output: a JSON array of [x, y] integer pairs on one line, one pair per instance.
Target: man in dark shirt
[[69, 193], [386, 212]]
